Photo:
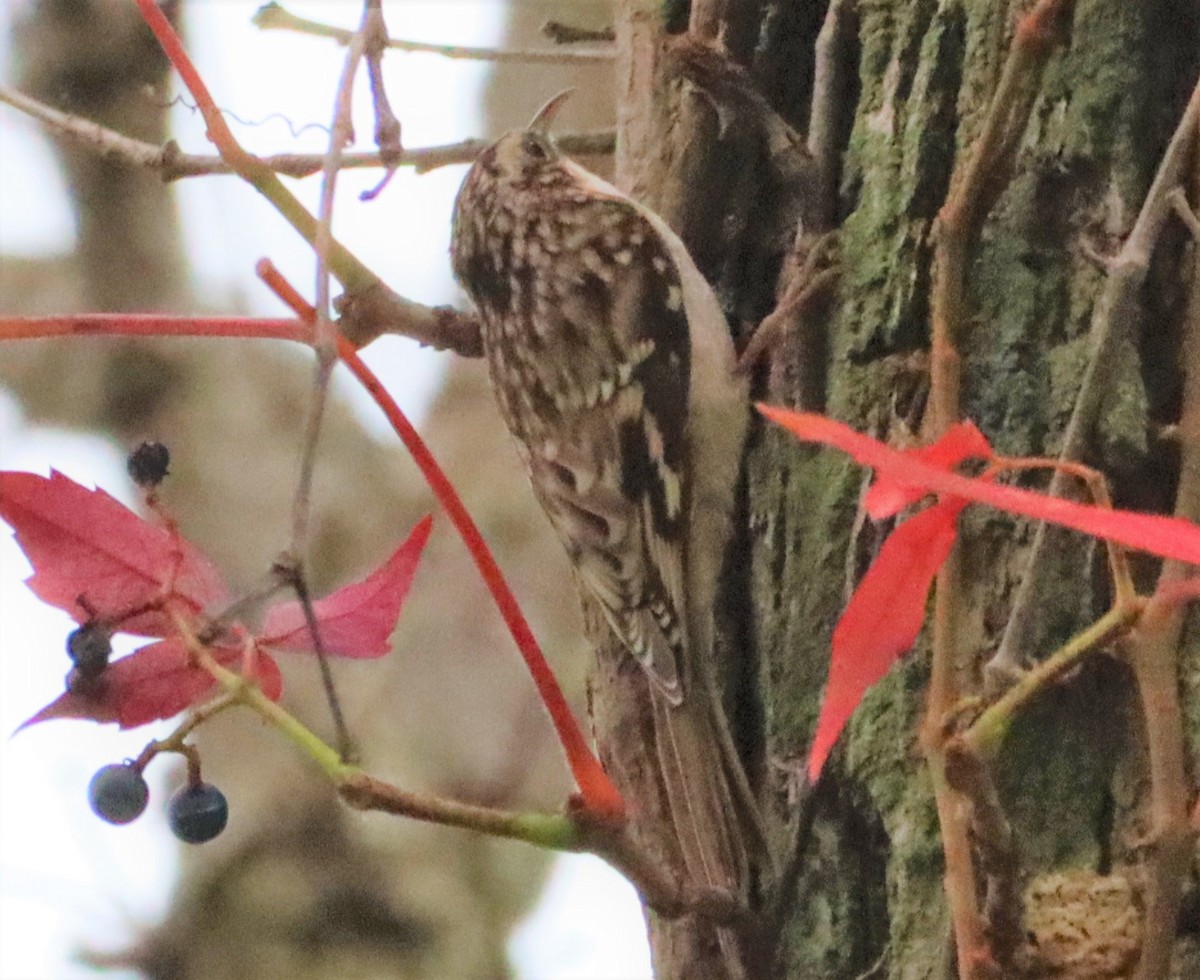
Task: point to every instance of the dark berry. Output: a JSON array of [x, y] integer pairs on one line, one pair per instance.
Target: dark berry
[[89, 648], [118, 793], [197, 813], [148, 464]]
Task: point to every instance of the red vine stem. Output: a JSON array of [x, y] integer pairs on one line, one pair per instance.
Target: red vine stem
[[355, 276], [150, 325], [600, 796], [219, 132]]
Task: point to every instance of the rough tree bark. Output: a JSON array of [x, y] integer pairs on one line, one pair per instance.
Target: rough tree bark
[[701, 141]]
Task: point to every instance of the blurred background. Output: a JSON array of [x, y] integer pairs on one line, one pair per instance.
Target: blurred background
[[297, 886]]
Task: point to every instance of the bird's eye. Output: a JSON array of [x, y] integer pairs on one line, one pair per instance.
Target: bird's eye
[[535, 147]]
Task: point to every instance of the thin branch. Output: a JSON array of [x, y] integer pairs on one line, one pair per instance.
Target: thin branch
[[387, 126], [370, 313], [805, 287], [107, 143], [173, 164], [830, 81], [369, 307], [272, 16], [151, 325], [1116, 306], [364, 792], [1154, 652], [1124, 590], [986, 736], [975, 186], [1184, 212], [341, 135], [561, 33], [999, 856], [661, 890]]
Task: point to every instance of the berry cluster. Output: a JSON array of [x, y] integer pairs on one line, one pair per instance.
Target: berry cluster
[[118, 793], [196, 812]]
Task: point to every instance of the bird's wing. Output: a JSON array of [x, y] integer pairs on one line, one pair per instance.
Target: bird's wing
[[612, 479]]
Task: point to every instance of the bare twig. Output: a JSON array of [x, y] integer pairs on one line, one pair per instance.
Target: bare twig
[[974, 187], [663, 891], [987, 734], [173, 164], [1124, 590], [828, 104], [150, 325], [561, 33], [341, 134], [369, 307], [1117, 305], [387, 126], [999, 857], [372, 312], [1184, 212], [272, 16], [805, 287], [358, 279], [1154, 653]]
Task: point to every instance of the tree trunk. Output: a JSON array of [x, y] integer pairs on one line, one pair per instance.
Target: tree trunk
[[904, 96]]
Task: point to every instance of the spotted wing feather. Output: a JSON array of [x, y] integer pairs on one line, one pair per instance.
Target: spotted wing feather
[[595, 389]]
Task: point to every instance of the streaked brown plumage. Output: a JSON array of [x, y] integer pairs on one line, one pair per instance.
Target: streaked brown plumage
[[613, 368]]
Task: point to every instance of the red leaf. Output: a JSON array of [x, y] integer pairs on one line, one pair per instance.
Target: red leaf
[[883, 618], [154, 682], [1168, 537], [82, 542], [959, 443], [356, 621]]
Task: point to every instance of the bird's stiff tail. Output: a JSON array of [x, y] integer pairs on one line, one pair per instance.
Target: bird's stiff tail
[[704, 812]]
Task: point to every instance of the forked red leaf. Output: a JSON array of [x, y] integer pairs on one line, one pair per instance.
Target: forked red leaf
[[82, 542], [154, 682], [883, 618], [963, 441], [358, 620], [1168, 537]]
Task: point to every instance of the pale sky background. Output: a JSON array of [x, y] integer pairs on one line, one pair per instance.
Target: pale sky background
[[68, 880]]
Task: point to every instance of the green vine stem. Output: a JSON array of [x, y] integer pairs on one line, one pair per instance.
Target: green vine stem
[[986, 736]]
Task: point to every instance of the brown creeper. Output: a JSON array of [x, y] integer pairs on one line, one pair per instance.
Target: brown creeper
[[614, 369]]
